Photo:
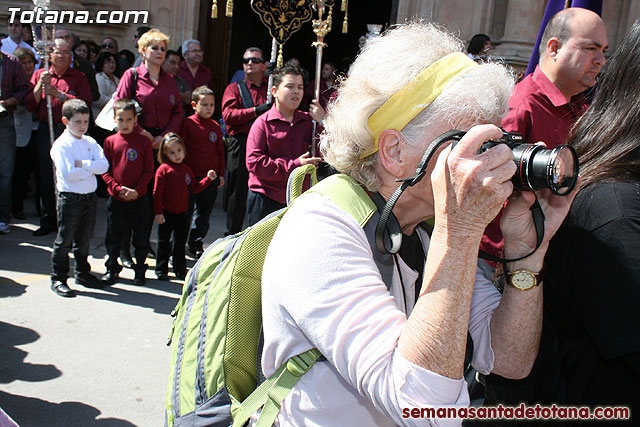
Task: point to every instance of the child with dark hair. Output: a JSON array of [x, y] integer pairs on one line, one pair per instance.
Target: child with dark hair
[[77, 159], [174, 179], [278, 142], [131, 170], [203, 139]]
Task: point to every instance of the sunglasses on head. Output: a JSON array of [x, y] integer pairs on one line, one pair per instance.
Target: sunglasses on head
[[253, 59]]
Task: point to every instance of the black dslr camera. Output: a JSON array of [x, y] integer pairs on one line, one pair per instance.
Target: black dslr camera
[[539, 167]]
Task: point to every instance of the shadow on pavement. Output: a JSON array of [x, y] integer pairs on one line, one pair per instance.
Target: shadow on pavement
[[12, 365], [159, 303], [10, 288], [31, 411]]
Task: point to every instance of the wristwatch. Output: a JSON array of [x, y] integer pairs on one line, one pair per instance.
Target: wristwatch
[[62, 96], [524, 279]]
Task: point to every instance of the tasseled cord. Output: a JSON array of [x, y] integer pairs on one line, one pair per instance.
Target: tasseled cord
[[229, 10], [345, 23], [214, 9]]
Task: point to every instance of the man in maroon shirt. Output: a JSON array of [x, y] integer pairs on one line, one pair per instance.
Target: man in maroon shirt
[[192, 70], [238, 113], [327, 87], [61, 83], [545, 105]]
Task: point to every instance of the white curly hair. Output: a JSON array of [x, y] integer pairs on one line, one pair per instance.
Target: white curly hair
[[384, 66]]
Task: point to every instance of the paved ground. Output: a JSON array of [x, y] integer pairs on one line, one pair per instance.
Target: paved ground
[[97, 359]]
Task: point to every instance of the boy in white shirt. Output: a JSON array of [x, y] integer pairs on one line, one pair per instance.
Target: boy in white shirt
[[77, 159]]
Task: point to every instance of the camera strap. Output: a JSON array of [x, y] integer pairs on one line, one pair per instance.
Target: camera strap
[[395, 232]]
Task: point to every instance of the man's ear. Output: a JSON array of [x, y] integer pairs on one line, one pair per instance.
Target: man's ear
[[553, 46], [390, 150], [65, 120]]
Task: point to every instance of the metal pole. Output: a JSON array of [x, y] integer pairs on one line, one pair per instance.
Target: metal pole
[[274, 52]]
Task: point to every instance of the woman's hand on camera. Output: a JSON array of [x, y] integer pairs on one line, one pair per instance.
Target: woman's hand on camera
[[517, 224], [470, 188]]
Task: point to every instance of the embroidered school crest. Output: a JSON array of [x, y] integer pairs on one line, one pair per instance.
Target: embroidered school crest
[[213, 137], [172, 99], [187, 179], [132, 154]]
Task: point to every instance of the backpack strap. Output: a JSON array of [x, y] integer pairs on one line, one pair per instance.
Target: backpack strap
[[271, 393]]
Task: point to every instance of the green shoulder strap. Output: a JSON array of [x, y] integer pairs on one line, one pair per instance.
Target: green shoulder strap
[[351, 197]]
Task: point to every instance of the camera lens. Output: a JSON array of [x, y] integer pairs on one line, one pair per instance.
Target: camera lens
[[540, 168]]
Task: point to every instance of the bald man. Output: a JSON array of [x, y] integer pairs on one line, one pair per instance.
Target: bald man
[[547, 102], [545, 105]]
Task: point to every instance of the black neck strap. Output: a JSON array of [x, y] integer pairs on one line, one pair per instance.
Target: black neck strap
[[390, 223]]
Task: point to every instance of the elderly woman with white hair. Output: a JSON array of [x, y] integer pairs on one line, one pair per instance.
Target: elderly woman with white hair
[[392, 328]]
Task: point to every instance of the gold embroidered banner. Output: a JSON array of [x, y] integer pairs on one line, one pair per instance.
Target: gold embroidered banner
[[282, 17]]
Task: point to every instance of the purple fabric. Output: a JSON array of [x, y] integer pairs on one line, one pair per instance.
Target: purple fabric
[[553, 7]]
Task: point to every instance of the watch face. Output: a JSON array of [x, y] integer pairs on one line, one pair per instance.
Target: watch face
[[523, 280]]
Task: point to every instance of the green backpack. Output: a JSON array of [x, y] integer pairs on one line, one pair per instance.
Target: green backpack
[[216, 330]]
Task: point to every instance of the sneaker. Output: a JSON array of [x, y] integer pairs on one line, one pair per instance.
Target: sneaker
[[162, 276], [180, 274], [4, 228]]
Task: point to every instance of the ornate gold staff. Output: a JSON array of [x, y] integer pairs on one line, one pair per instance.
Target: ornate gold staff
[[321, 28]]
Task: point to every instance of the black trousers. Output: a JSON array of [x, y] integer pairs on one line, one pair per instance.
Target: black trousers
[[259, 206], [26, 163], [236, 184], [76, 221], [120, 215], [178, 225], [200, 207]]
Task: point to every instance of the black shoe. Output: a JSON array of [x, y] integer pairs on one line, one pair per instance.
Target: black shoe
[[88, 280], [126, 261], [139, 279], [19, 215], [44, 230], [162, 276], [180, 275], [196, 249], [109, 278], [61, 288], [151, 254]]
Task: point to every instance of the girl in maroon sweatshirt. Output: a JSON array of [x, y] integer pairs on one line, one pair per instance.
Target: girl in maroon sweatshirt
[[174, 180]]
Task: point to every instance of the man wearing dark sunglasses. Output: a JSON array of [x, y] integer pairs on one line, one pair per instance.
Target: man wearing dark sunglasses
[[242, 103]]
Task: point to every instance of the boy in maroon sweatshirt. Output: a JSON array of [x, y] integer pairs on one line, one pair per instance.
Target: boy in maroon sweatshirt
[[205, 151], [130, 170]]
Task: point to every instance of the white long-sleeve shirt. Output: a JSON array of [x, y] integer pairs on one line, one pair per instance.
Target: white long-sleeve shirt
[[64, 153], [321, 288], [107, 88]]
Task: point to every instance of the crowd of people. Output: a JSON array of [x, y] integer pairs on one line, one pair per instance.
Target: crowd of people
[[401, 322]]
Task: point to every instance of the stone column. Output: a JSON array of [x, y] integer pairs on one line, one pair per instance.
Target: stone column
[[521, 29]]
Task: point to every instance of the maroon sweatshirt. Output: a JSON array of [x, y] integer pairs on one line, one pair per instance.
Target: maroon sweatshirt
[[172, 186], [130, 163], [205, 149]]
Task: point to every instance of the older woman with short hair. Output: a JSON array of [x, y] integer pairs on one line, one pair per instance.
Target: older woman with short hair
[[392, 327], [106, 66]]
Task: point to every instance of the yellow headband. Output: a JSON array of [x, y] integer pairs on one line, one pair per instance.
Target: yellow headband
[[405, 104]]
